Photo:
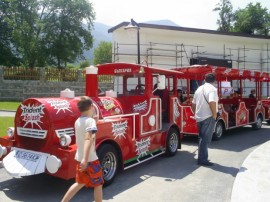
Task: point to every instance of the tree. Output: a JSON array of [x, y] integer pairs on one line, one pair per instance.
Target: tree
[[66, 36], [23, 17], [252, 20], [103, 53], [266, 30], [49, 32], [225, 9], [7, 51], [84, 64]]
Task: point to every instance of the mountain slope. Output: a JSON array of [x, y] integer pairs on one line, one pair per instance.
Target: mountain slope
[[100, 33], [162, 22]]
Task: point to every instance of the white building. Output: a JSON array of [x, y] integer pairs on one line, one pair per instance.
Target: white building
[[172, 46]]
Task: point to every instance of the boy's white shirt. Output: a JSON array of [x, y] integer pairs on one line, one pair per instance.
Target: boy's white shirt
[[83, 125]]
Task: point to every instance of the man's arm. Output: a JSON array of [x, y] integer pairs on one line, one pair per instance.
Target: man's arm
[[213, 97], [213, 109], [193, 107]]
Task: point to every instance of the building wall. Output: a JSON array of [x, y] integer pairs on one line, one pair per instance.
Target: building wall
[[245, 52]]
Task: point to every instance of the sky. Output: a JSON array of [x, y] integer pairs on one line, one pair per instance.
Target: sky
[[185, 13]]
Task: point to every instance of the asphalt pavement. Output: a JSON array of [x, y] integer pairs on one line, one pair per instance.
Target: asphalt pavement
[[252, 183]]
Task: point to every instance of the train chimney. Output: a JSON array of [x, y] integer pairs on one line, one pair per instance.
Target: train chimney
[[91, 84]]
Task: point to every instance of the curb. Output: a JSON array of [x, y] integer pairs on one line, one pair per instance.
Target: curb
[[252, 182]]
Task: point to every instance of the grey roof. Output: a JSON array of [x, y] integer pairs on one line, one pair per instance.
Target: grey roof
[[186, 29]]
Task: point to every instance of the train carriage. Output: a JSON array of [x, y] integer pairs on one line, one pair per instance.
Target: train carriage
[[235, 107]]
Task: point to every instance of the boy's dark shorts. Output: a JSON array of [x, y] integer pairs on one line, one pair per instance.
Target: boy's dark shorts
[[92, 176]]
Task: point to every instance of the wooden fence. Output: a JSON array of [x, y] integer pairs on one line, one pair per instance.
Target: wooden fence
[[19, 73], [48, 74]]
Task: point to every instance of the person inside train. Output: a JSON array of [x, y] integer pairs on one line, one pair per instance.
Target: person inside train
[[157, 91], [180, 96], [252, 93]]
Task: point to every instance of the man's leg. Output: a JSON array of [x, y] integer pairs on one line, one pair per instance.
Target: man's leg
[[205, 135]]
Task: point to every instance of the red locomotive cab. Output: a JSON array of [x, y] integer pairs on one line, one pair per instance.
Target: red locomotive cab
[[144, 128]]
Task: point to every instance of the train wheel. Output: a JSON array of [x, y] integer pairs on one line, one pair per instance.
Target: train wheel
[[258, 123], [172, 142], [219, 131], [109, 161]]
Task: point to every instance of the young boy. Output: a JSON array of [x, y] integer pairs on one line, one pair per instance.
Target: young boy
[[88, 170]]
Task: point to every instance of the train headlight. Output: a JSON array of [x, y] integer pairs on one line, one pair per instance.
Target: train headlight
[[3, 151], [53, 164], [10, 132], [64, 140]]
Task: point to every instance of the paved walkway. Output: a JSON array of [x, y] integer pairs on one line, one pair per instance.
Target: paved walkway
[[252, 183], [7, 113]]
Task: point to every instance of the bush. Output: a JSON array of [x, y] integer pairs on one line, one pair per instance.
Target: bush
[[84, 64], [71, 66]]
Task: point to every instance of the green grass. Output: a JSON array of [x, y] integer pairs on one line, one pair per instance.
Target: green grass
[[5, 122], [9, 105]]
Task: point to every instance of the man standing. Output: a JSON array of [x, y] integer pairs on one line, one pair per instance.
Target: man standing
[[204, 106]]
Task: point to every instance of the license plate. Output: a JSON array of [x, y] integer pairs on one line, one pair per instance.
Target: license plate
[[27, 156]]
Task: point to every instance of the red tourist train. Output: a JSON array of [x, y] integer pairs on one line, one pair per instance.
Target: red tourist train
[[139, 117], [136, 123]]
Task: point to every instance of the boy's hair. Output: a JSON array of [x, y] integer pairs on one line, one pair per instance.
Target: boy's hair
[[84, 103], [210, 78]]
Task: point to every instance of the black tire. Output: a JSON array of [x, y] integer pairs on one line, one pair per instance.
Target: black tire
[[172, 142], [219, 131], [109, 161], [268, 122], [258, 124]]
